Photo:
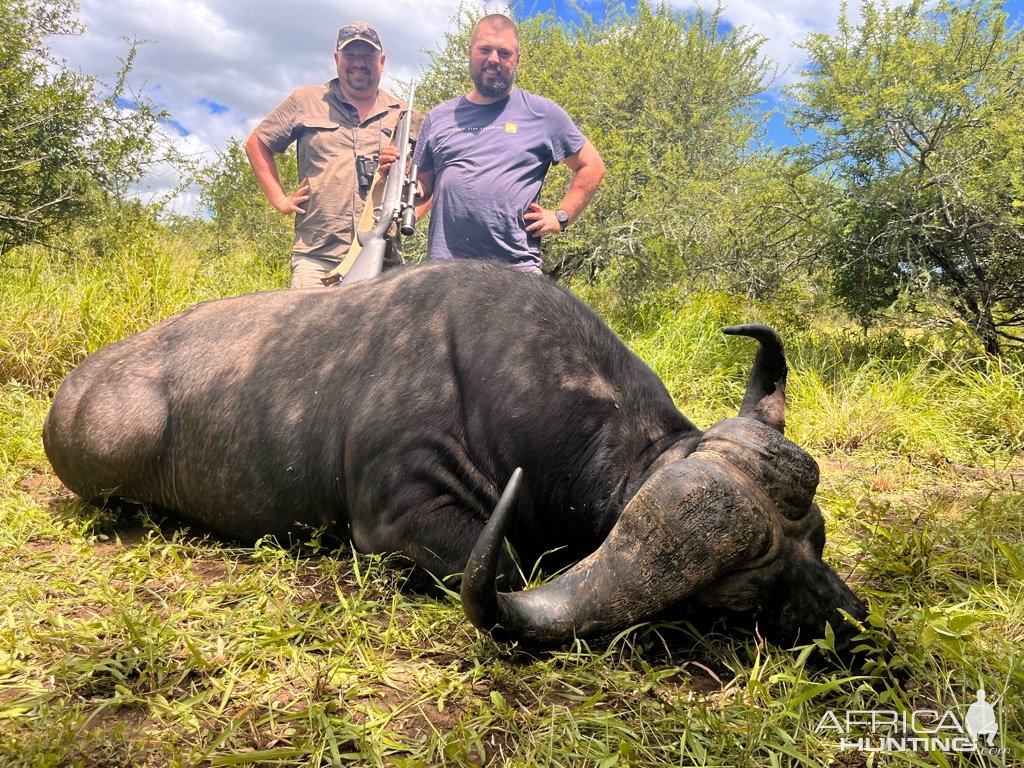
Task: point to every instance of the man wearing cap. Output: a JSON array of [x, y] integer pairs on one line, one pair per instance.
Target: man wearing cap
[[482, 160], [342, 130]]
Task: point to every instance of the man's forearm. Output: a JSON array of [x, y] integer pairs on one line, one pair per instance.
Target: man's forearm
[[582, 188], [425, 194], [264, 168], [588, 171]]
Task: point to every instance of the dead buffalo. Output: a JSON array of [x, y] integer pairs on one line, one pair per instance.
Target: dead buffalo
[[394, 412]]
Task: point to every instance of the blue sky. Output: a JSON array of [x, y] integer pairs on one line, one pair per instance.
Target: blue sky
[[220, 65]]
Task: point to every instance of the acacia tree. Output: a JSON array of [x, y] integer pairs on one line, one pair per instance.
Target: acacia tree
[[64, 151], [915, 116]]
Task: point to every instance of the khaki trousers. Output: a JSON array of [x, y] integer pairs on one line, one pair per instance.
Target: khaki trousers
[[307, 270]]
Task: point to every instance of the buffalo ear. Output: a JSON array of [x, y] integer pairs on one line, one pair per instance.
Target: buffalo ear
[[765, 398]]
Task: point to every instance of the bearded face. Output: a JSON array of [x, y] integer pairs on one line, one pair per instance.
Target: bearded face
[[493, 58]]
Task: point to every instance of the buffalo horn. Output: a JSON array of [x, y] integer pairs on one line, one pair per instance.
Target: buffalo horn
[[686, 526], [765, 398], [479, 597]]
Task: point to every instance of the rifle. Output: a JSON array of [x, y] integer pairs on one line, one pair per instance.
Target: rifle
[[365, 257]]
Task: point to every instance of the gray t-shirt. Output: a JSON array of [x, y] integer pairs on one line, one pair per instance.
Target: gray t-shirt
[[489, 163]]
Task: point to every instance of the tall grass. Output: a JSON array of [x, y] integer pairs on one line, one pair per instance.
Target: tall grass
[[127, 641], [58, 306]]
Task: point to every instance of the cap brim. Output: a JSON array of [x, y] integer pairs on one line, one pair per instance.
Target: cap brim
[[359, 38]]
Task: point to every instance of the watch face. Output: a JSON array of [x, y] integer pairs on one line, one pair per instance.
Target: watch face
[[562, 217]]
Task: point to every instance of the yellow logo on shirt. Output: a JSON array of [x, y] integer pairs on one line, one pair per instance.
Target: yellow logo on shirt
[[511, 127]]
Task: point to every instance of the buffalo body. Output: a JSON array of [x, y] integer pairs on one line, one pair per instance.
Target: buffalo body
[[393, 412]]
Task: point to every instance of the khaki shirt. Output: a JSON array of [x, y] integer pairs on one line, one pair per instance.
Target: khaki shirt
[[329, 136]]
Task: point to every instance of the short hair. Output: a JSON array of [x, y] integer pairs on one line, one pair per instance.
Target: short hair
[[499, 22]]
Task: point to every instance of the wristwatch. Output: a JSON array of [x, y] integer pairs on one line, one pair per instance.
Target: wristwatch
[[563, 219]]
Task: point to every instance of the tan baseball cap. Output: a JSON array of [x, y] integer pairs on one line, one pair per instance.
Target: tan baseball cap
[[358, 30]]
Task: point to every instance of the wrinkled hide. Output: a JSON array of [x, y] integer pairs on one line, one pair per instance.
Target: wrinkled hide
[[393, 412]]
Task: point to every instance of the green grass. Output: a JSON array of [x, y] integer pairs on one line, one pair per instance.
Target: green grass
[[129, 642]]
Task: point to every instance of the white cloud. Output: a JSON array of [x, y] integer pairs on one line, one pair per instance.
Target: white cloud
[[783, 23]]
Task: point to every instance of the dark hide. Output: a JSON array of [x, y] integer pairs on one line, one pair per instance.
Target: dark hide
[[390, 412]]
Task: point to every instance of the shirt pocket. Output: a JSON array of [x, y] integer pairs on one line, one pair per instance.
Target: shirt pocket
[[370, 138], [319, 123], [324, 140], [318, 129]]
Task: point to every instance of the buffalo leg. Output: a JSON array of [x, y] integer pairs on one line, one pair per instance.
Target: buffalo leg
[[436, 537]]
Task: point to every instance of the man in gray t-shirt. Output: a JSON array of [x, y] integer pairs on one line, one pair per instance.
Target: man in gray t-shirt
[[482, 160]]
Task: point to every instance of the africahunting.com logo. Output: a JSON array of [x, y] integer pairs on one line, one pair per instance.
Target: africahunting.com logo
[[973, 727]]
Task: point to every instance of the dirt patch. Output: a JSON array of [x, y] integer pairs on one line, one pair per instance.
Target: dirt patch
[[44, 484]]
